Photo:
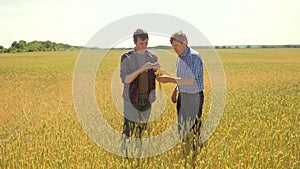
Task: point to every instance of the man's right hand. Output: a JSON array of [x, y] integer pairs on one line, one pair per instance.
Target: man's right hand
[[148, 65], [174, 96]]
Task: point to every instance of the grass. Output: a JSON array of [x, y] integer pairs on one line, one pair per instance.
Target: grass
[[259, 128]]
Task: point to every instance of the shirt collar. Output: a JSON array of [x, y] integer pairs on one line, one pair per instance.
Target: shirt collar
[[134, 51], [186, 52]]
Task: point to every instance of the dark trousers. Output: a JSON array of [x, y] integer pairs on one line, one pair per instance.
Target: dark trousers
[[131, 128], [136, 118], [189, 111]]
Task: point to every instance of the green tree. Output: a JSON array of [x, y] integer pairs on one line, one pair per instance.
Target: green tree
[[1, 49], [22, 45], [14, 44]]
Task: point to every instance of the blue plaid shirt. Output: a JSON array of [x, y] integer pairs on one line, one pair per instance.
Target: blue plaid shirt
[[190, 65]]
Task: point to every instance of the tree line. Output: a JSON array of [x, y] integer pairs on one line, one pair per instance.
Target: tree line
[[44, 46], [256, 46], [38, 46]]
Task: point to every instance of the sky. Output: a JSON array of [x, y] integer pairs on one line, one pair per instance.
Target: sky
[[222, 22]]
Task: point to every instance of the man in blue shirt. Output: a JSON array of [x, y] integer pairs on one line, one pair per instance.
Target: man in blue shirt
[[189, 88]]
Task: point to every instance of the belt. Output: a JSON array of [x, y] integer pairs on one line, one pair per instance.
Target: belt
[[191, 93]]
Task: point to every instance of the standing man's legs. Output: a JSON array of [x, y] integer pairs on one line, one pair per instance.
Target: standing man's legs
[[135, 122], [189, 109], [198, 123]]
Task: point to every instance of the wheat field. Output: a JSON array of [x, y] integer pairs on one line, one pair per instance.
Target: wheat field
[[259, 128]]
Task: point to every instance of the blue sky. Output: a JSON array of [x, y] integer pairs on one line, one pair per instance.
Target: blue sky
[[229, 22]]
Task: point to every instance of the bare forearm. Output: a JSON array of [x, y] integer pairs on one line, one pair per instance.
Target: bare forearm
[[147, 66], [176, 80], [130, 78], [171, 80], [185, 81]]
